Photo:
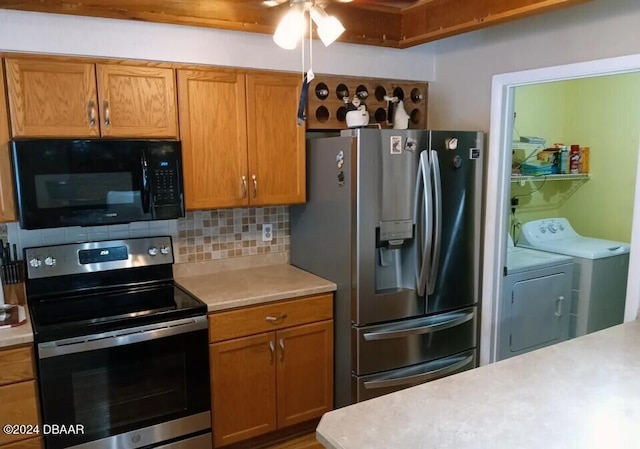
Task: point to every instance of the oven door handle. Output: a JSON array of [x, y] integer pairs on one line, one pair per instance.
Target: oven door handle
[[120, 337]]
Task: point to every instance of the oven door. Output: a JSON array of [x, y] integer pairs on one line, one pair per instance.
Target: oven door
[[129, 388]]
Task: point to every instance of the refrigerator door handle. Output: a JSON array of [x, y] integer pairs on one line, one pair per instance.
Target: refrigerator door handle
[[456, 319], [423, 219], [422, 377], [437, 232]]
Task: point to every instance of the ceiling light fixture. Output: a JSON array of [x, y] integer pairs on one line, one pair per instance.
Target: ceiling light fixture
[[292, 26]]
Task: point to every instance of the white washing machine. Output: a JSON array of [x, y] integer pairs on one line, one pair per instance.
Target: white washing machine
[[534, 311], [600, 272]]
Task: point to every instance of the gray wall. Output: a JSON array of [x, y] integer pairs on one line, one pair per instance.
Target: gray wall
[[461, 95]]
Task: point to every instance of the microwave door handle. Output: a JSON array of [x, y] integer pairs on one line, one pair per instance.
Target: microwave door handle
[[145, 183]]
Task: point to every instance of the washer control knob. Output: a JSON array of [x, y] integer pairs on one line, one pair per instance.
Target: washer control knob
[[153, 251], [50, 261], [164, 250], [35, 262], [552, 228], [561, 227], [543, 230]]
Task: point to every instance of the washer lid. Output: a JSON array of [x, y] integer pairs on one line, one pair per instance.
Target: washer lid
[[585, 247], [522, 259]]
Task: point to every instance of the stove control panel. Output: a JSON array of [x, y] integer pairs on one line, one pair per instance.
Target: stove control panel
[[78, 258]]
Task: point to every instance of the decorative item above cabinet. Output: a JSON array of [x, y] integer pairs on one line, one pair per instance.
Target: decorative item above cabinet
[[329, 96], [49, 98]]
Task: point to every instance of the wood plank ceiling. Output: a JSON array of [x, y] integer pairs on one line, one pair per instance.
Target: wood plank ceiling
[[395, 24]]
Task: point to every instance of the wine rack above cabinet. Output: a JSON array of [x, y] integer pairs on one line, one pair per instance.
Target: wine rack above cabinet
[[326, 108]]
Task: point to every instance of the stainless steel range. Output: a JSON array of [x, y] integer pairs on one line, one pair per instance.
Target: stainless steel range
[[122, 351]]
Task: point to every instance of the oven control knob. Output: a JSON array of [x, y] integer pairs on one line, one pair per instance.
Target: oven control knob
[[35, 262], [164, 250], [153, 251], [50, 261]]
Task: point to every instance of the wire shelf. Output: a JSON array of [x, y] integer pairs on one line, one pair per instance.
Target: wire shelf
[[558, 177]]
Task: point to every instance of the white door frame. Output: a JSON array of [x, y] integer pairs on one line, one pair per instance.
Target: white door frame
[[498, 188]]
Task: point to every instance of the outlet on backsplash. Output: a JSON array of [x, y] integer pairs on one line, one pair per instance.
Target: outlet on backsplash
[[267, 234]]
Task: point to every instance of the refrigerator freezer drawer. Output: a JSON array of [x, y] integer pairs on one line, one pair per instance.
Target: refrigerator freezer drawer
[[404, 343], [374, 385]]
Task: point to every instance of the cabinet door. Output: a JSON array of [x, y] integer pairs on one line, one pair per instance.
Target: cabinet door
[[52, 99], [7, 206], [18, 406], [243, 388], [137, 101], [214, 138], [276, 142], [305, 372]]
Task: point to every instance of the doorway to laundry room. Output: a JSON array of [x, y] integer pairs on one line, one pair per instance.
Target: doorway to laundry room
[[574, 161]]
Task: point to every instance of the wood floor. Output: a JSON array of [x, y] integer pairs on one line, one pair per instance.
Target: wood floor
[[304, 442]]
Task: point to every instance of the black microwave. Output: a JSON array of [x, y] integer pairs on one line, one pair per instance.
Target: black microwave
[[94, 182]]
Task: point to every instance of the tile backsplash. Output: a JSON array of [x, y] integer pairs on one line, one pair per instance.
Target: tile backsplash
[[199, 236], [224, 233]]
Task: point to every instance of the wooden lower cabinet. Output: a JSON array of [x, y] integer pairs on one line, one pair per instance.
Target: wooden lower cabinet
[[243, 377], [305, 372], [271, 380], [18, 397]]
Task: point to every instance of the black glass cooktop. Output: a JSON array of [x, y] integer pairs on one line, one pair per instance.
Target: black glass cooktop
[[66, 317]]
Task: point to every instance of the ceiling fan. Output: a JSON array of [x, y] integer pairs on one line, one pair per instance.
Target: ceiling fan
[[292, 26]]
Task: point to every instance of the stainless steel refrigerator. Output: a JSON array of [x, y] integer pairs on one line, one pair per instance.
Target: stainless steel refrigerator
[[393, 218]]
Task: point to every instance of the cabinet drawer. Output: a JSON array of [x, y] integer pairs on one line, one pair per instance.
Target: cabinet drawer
[[15, 365], [268, 317], [18, 406]]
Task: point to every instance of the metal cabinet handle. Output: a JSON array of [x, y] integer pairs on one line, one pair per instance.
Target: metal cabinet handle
[[107, 114], [272, 347], [92, 113], [273, 319], [255, 186], [281, 350], [559, 306], [244, 187]]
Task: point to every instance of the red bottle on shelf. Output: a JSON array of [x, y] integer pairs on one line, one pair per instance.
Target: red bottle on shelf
[[574, 159]]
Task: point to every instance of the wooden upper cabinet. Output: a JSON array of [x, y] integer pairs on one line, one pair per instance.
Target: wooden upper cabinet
[[214, 139], [52, 99], [137, 101], [7, 204], [276, 142]]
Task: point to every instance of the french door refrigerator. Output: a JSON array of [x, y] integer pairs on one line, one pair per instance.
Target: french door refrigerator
[[393, 218]]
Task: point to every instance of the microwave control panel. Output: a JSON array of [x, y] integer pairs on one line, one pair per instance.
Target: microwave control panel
[[166, 184]]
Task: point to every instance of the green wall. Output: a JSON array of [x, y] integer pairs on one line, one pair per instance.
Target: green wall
[[602, 113]]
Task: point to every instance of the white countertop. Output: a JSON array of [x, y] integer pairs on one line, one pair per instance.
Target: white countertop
[[582, 394]]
